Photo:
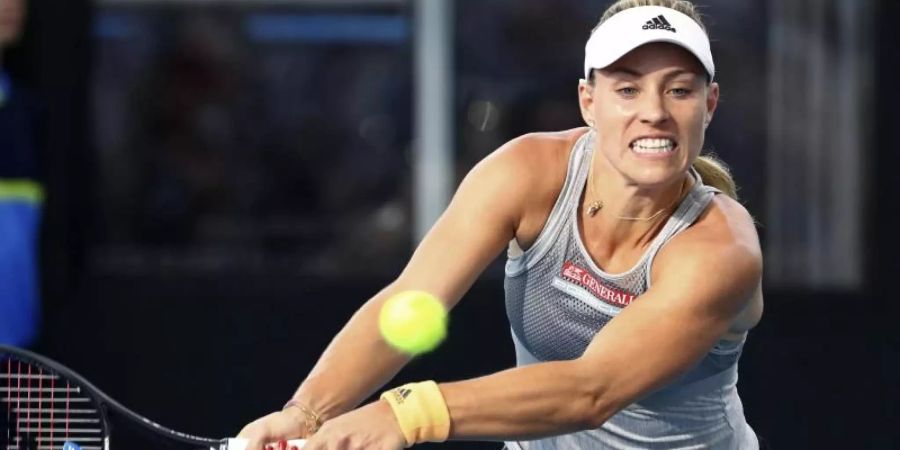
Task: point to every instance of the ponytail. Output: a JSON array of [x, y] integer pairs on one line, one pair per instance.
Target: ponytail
[[713, 172]]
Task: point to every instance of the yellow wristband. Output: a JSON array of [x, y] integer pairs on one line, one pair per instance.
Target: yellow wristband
[[421, 411]]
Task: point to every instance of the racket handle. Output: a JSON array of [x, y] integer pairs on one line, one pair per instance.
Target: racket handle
[[241, 444]]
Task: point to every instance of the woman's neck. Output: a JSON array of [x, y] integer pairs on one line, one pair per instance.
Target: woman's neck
[[626, 211]]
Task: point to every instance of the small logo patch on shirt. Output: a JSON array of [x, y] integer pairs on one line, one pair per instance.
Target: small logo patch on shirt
[[608, 294]]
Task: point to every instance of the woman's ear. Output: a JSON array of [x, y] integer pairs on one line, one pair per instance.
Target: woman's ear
[[712, 101], [586, 101]]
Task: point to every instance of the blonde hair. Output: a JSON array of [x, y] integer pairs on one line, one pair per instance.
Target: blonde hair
[[713, 171]]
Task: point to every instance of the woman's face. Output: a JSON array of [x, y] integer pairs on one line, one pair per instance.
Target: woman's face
[[12, 15], [650, 109]]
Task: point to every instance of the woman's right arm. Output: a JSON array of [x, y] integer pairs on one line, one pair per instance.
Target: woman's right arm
[[477, 225]]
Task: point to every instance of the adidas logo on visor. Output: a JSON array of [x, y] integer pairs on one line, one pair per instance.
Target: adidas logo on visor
[[659, 23]]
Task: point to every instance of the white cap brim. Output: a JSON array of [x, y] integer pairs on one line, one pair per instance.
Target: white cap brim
[[634, 27]]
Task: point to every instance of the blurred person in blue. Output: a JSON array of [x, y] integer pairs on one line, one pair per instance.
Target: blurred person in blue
[[633, 276], [20, 194]]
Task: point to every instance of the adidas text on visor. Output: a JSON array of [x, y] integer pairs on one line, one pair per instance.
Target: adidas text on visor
[[634, 27]]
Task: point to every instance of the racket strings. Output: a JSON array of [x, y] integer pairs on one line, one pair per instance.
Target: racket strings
[[28, 411], [52, 410], [38, 415], [68, 408], [8, 395], [40, 400], [18, 401]]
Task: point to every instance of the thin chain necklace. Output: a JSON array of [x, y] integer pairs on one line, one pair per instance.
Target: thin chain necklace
[[597, 205]]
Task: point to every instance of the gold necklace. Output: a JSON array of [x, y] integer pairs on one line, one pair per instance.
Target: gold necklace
[[597, 205]]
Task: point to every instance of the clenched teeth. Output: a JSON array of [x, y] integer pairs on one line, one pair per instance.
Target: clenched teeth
[[653, 145]]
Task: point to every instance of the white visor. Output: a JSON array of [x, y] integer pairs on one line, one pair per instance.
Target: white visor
[[634, 27]]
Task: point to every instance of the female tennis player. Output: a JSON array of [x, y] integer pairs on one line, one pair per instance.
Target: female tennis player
[[632, 280]]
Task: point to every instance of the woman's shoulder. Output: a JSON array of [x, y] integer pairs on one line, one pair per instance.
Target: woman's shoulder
[[544, 153], [532, 170], [728, 221], [545, 143], [723, 244], [725, 230]]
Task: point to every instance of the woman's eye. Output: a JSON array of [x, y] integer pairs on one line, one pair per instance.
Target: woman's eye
[[680, 92], [628, 91]]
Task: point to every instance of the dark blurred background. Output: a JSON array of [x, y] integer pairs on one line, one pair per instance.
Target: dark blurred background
[[227, 181]]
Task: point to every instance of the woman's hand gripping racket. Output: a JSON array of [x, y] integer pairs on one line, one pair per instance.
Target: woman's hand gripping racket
[[46, 406]]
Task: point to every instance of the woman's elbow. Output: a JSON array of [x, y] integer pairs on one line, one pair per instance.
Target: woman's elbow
[[599, 408], [597, 402]]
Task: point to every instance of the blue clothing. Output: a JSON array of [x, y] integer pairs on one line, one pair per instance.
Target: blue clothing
[[20, 212], [557, 299], [19, 308]]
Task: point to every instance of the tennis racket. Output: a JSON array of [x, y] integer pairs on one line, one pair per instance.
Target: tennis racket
[[47, 406]]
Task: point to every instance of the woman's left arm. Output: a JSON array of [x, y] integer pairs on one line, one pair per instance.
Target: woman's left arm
[[701, 282], [701, 285]]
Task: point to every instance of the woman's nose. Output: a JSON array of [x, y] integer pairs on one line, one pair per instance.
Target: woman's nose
[[653, 109]]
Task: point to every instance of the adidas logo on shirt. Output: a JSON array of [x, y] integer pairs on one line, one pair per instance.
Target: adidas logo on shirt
[[659, 23]]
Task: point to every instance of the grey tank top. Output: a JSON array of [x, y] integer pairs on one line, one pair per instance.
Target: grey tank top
[[557, 299]]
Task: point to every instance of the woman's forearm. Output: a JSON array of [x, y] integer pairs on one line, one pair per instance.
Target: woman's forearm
[[528, 402], [356, 363]]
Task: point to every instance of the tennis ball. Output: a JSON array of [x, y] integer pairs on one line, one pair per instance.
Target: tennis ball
[[413, 322]]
